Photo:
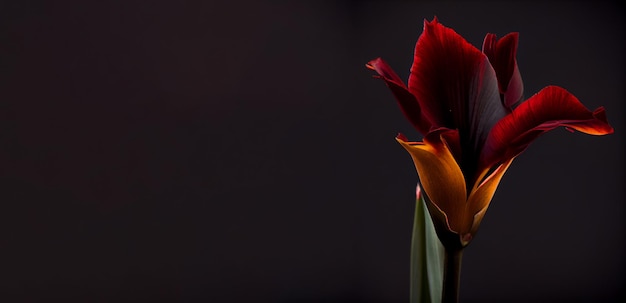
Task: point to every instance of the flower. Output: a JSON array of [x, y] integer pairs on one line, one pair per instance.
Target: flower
[[462, 100]]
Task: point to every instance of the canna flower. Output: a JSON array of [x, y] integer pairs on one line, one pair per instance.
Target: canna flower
[[463, 101]]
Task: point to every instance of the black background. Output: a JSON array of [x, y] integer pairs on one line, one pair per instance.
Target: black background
[[202, 151]]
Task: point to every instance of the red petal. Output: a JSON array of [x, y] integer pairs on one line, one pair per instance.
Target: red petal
[[552, 107], [501, 54], [443, 67], [455, 85], [409, 105]]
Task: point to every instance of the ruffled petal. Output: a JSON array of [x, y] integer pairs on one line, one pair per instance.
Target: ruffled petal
[[552, 107], [440, 175], [408, 103], [502, 56]]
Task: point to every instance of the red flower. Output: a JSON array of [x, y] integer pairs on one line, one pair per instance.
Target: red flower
[[462, 100]]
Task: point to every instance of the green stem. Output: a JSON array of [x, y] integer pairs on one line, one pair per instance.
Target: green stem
[[452, 275]]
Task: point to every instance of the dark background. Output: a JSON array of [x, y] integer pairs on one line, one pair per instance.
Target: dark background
[[202, 151]]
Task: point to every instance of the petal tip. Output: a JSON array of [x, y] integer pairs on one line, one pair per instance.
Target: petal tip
[[429, 24], [401, 137], [373, 63], [606, 128], [489, 43], [600, 115]]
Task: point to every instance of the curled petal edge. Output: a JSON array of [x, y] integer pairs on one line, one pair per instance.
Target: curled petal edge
[[550, 108], [407, 101], [440, 176], [481, 196], [502, 56]]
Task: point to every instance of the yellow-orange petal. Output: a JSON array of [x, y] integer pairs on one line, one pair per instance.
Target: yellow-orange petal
[[440, 176], [481, 196]]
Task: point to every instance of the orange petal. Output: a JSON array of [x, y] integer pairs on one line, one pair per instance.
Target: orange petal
[[440, 175], [481, 196]]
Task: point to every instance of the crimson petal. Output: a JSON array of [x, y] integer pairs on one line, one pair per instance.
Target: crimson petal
[[552, 107], [456, 88], [409, 105], [442, 71], [452, 80], [501, 54]]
